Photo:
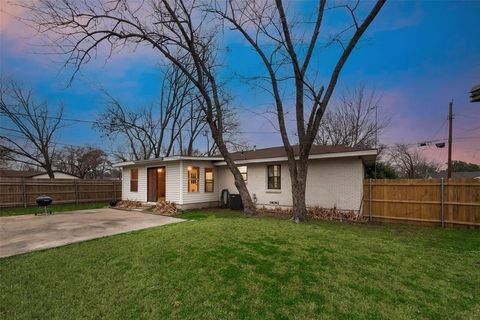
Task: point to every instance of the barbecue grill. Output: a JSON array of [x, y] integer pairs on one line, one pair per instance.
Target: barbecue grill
[[43, 201]]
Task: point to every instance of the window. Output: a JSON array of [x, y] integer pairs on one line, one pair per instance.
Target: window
[[208, 180], [274, 176], [133, 180], [193, 177], [243, 170]]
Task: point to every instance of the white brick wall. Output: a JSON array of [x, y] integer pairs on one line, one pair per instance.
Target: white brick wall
[[330, 182]]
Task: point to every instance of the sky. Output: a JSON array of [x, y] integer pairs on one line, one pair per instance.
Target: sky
[[418, 56]]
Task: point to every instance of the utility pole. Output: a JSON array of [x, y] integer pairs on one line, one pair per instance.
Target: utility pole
[[450, 118], [376, 140]]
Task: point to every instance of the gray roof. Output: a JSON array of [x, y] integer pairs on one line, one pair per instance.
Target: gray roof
[[276, 152], [462, 174]]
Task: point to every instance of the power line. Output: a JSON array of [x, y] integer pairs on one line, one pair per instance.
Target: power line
[[108, 124], [111, 152], [427, 142]]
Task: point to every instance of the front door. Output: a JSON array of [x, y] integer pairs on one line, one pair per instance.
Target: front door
[[156, 184], [161, 184]]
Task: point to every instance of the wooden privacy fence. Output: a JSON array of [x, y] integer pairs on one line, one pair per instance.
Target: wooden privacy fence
[[431, 201], [15, 192]]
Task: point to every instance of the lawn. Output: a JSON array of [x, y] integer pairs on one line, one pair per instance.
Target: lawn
[[54, 208], [225, 266]]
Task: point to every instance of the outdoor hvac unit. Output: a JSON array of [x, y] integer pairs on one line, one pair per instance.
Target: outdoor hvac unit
[[235, 202]]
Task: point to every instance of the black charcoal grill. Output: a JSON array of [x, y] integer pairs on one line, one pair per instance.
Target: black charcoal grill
[[43, 201]]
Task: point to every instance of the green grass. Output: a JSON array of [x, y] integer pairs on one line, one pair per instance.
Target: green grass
[[54, 208], [225, 266]]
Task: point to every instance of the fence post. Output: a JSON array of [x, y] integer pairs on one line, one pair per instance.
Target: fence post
[[76, 190], [370, 200], [24, 192], [442, 202]]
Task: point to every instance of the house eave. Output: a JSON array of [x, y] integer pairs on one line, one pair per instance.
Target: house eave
[[163, 160], [366, 155]]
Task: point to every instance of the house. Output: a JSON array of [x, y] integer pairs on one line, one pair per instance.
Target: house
[[5, 173], [458, 175], [335, 178], [57, 174]]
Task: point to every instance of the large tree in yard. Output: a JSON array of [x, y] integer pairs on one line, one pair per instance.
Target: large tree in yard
[[180, 31], [287, 45]]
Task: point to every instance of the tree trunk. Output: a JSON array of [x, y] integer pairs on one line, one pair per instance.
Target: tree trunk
[[248, 205], [299, 183], [49, 171]]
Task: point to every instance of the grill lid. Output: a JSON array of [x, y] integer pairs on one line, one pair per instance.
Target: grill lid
[[44, 200]]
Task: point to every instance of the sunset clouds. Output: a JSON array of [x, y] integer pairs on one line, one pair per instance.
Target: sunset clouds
[[413, 56]]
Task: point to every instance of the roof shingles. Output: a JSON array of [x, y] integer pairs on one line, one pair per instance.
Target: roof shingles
[[277, 152]]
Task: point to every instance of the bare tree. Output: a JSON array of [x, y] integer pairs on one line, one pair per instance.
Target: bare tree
[[181, 31], [31, 128], [410, 163], [5, 156], [354, 121], [83, 162], [231, 131], [286, 46], [151, 132], [194, 124]]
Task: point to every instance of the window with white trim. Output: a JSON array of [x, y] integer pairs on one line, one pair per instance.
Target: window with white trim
[[274, 174], [244, 172]]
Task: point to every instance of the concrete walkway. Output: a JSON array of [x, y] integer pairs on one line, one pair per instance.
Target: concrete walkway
[[21, 234]]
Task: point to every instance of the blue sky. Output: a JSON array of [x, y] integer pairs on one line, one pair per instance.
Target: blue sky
[[417, 55]]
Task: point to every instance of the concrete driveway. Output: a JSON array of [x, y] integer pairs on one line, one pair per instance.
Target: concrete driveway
[[20, 234]]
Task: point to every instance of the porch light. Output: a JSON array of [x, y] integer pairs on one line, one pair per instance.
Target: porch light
[[189, 168], [160, 170]]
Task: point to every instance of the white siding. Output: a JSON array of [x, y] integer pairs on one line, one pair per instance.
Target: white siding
[[141, 195], [176, 183], [201, 196], [172, 182], [330, 183]]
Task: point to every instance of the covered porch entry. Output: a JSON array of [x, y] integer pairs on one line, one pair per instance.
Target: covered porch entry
[[156, 185]]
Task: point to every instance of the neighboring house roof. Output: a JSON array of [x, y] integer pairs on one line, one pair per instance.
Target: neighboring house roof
[[58, 175], [7, 173], [475, 94], [463, 174], [271, 154]]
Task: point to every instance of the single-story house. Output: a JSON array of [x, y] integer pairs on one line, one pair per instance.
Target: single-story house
[[6, 173], [457, 174], [335, 178]]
